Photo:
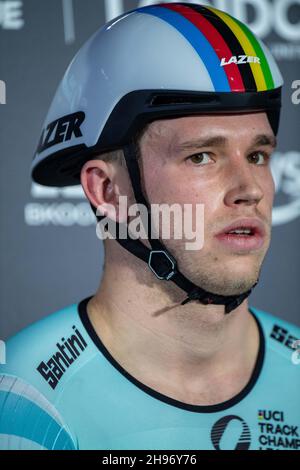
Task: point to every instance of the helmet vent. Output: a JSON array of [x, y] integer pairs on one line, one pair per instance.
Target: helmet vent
[[174, 99]]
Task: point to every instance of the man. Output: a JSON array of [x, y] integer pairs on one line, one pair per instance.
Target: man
[[167, 104]]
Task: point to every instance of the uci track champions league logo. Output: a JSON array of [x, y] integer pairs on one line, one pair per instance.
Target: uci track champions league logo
[[271, 432], [230, 425]]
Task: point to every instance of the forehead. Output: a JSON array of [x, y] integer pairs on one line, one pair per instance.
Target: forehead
[[175, 130]]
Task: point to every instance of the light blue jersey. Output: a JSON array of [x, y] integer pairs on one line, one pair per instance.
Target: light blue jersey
[[61, 389]]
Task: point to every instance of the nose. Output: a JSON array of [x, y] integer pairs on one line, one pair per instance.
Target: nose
[[243, 184]]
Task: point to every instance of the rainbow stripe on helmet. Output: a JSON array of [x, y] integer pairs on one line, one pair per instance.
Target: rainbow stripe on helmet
[[215, 35]]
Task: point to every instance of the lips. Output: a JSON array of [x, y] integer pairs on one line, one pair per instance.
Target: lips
[[255, 225], [242, 242]]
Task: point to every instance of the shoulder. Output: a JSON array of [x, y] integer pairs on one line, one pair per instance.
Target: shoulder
[[281, 336], [56, 340], [39, 361]]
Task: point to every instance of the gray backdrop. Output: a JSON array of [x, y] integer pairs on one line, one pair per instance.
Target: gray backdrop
[[50, 256]]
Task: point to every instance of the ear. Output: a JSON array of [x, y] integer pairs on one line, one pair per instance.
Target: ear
[[99, 182]]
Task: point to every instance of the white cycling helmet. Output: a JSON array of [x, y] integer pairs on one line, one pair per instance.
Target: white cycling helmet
[[154, 62]]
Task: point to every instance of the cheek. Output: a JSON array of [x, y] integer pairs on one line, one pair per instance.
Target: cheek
[[268, 187], [272, 187], [170, 191], [166, 184], [152, 183]]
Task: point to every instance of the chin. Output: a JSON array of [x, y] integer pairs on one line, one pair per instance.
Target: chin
[[234, 286], [240, 279], [230, 280], [223, 275]]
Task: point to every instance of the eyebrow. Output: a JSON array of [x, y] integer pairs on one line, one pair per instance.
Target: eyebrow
[[260, 139]]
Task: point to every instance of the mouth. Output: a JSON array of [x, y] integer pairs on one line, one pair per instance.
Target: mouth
[[243, 234]]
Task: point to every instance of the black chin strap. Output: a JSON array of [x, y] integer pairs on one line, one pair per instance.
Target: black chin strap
[[159, 260]]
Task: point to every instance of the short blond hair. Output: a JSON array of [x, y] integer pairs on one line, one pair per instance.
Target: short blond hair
[[114, 156]]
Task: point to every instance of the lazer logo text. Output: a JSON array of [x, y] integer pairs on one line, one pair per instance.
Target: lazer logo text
[[240, 59], [61, 130]]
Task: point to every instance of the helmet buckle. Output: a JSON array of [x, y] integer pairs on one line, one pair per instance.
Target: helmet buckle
[[162, 264]]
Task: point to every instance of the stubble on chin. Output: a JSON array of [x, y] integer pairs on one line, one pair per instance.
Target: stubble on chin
[[215, 273]]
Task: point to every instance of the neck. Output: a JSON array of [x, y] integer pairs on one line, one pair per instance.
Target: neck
[[164, 344]]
